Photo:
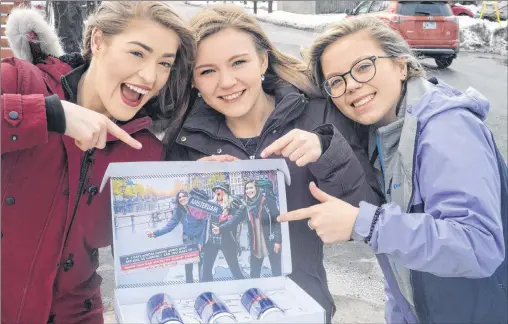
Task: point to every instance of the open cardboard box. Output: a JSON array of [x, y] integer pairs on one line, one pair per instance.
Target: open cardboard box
[[143, 201]]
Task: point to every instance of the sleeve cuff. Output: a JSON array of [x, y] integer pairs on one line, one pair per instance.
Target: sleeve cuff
[[364, 221], [55, 115], [325, 134]]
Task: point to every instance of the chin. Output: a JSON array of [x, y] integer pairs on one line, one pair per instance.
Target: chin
[[122, 115]]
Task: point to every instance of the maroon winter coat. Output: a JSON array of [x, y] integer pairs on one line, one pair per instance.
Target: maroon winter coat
[[41, 279]]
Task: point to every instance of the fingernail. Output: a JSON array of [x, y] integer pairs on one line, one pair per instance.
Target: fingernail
[[263, 154], [278, 219], [139, 146]]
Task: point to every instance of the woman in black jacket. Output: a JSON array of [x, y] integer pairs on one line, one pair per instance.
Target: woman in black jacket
[[250, 95], [264, 230]]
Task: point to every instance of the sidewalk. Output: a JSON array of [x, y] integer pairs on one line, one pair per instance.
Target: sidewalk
[[475, 35]]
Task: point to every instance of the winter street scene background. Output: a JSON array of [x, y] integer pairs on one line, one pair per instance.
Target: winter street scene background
[[354, 277]]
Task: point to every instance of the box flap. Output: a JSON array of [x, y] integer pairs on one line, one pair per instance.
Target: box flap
[[120, 169], [172, 218]]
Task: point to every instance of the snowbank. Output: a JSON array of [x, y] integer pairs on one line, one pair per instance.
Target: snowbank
[[475, 34], [483, 35]]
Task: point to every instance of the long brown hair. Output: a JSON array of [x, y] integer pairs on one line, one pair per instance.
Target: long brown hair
[[214, 19], [169, 108]]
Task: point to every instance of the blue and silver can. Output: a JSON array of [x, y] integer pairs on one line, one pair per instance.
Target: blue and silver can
[[259, 305], [161, 310], [212, 310]]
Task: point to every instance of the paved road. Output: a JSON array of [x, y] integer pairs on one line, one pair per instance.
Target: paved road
[[354, 276]]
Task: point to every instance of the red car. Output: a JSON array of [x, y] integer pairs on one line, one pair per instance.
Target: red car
[[459, 10], [429, 27]]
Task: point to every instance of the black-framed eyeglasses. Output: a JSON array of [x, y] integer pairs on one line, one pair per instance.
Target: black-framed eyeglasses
[[363, 71]]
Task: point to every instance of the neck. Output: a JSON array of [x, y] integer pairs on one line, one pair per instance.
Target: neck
[[87, 93], [389, 118], [251, 124]]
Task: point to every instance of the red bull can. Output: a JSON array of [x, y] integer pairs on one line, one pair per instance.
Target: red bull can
[[212, 310], [161, 310], [260, 306]]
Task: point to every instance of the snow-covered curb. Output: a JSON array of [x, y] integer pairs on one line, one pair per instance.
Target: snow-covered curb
[[483, 35], [475, 35], [313, 23]]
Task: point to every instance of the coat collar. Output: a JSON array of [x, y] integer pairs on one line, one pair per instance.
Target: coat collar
[[289, 105]]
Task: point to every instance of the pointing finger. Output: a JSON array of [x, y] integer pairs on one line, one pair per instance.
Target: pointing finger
[[296, 215], [122, 135], [277, 146]]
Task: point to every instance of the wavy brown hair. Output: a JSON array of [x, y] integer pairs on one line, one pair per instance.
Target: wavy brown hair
[[168, 109]]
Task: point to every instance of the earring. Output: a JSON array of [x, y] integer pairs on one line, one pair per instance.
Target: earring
[[199, 94], [262, 77]]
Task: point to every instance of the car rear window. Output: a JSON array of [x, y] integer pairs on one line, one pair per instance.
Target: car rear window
[[424, 8]]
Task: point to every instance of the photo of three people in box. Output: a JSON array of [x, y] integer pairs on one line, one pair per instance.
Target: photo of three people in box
[[257, 209]]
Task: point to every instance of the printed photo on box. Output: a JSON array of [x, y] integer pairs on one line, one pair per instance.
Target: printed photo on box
[[198, 227]]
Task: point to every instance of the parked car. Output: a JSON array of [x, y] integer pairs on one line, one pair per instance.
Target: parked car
[[429, 27], [459, 10]]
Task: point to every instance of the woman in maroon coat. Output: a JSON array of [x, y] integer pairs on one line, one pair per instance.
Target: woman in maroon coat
[[60, 130]]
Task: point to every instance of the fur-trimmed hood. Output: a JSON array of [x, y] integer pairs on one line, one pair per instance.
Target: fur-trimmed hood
[[30, 35]]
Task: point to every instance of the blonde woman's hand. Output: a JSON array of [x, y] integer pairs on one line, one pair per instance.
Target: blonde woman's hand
[[219, 158], [333, 219], [299, 146]]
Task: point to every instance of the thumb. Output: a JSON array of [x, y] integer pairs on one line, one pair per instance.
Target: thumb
[[318, 193]]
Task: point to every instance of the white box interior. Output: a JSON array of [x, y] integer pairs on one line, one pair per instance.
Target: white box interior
[[133, 292], [298, 307]]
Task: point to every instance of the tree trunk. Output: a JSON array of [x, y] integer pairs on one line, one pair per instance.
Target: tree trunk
[[68, 18]]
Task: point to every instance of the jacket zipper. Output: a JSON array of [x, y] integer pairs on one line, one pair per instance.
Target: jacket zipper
[[410, 203], [88, 160], [411, 199]]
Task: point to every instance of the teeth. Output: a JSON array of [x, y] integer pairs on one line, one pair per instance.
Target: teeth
[[363, 101], [138, 90], [233, 96]]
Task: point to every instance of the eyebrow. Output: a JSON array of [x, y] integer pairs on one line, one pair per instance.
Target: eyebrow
[[149, 49], [234, 57], [357, 60]]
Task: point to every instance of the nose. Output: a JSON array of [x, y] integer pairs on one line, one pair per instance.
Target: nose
[[351, 83], [227, 80], [148, 73]]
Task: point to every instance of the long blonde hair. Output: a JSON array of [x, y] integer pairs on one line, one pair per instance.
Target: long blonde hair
[[390, 41], [214, 19], [113, 17]]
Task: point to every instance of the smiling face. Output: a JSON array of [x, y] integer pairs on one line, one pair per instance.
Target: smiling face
[[132, 67], [183, 198], [373, 102], [250, 190], [229, 79]]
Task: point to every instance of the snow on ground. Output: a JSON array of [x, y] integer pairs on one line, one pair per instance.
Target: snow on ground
[[483, 35], [475, 34]]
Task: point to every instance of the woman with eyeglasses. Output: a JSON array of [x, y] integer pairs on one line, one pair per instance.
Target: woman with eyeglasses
[[439, 240], [192, 228]]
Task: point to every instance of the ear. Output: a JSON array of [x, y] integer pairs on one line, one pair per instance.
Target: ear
[[401, 66], [264, 62], [97, 40]]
